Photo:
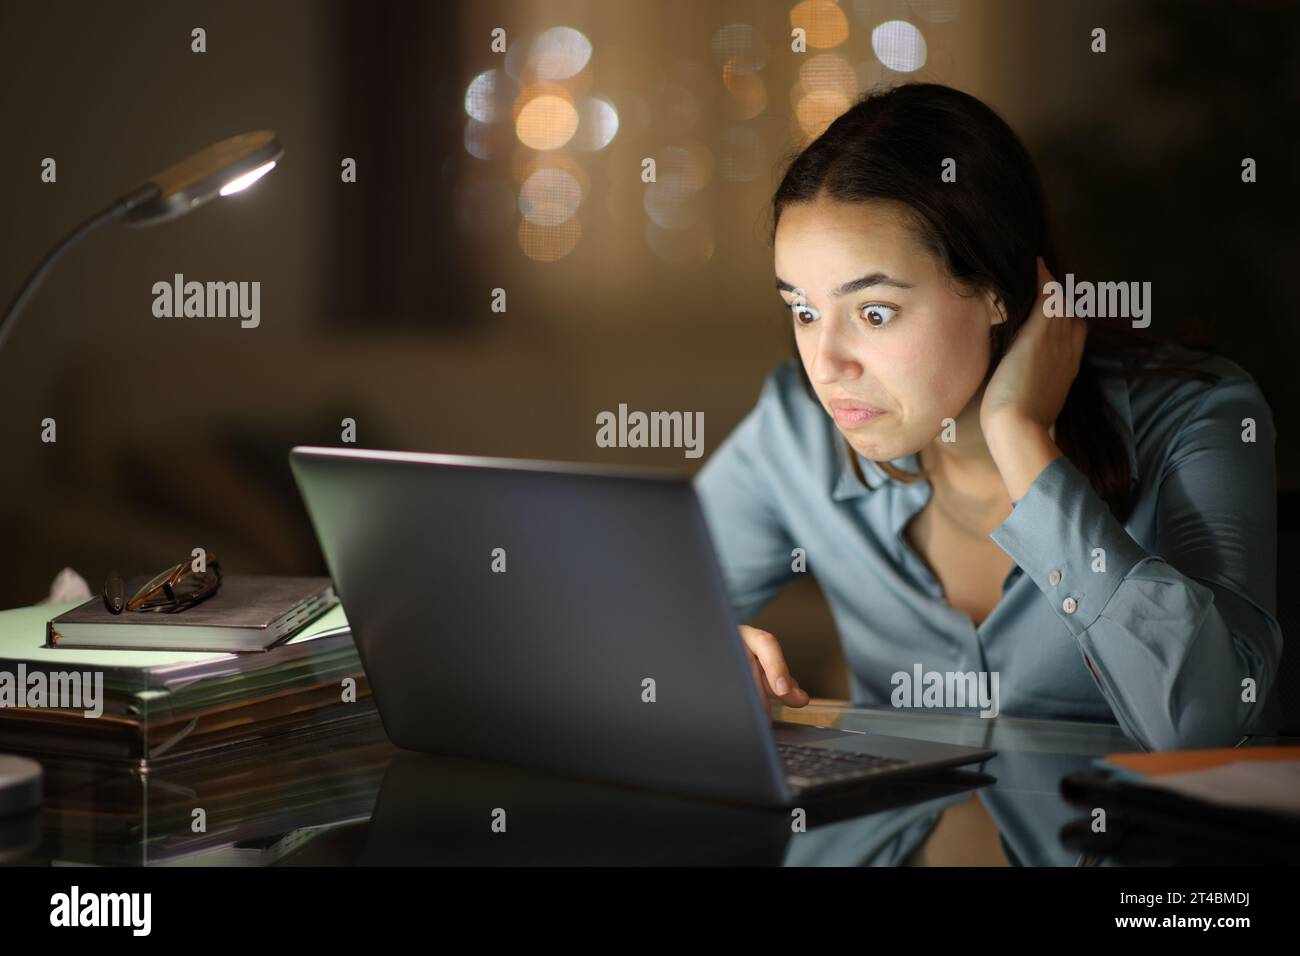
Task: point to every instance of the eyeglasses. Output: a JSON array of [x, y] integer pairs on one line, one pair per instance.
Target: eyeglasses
[[168, 591]]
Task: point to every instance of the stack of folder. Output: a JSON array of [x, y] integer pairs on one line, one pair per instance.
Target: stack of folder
[[1238, 805], [169, 705]]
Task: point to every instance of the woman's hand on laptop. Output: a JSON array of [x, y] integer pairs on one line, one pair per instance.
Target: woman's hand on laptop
[[771, 675]]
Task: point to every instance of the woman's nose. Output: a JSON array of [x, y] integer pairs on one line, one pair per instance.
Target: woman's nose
[[834, 359]]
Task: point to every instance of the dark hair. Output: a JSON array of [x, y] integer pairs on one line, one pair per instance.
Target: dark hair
[[986, 230]]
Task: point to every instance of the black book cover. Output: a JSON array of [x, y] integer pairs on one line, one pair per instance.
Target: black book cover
[[249, 612]]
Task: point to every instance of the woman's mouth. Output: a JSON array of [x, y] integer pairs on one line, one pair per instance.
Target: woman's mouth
[[854, 414]]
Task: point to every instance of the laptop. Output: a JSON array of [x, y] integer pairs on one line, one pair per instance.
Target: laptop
[[567, 618]]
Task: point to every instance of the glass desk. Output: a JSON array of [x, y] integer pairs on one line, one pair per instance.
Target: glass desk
[[350, 797]]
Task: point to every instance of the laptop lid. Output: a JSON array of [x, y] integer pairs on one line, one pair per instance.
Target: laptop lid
[[563, 617]]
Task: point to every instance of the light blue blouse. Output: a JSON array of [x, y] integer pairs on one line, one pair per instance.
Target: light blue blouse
[[1177, 625]]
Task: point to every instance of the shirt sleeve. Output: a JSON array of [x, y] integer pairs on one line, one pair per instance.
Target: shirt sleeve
[[752, 543], [1172, 635]]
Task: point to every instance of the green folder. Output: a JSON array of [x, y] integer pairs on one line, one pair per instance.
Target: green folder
[[22, 638]]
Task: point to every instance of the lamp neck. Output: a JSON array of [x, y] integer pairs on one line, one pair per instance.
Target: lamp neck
[[113, 213]]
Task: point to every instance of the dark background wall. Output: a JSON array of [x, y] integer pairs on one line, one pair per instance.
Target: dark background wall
[[376, 295]]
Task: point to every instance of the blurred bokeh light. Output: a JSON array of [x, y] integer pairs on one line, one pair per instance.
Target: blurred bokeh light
[[546, 120], [899, 45], [822, 21], [556, 104], [548, 243]]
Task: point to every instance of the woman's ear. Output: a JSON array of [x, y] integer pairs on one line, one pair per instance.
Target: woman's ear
[[997, 308]]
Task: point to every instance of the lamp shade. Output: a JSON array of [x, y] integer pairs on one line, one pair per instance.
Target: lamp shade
[[219, 169]]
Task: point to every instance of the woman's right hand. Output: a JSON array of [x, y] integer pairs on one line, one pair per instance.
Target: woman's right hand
[[771, 675]]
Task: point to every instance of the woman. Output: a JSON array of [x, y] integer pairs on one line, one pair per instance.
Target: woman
[[1079, 508]]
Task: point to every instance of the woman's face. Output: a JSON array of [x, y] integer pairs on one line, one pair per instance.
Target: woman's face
[[879, 325]]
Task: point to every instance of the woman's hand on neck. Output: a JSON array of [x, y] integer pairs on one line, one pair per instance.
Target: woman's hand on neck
[[988, 467], [1024, 396]]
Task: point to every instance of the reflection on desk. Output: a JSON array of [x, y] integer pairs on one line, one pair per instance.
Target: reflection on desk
[[351, 798]]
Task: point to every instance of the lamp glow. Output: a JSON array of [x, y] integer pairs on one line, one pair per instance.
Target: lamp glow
[[243, 182]]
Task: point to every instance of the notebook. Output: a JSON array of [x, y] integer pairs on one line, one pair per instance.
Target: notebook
[[247, 613], [159, 704]]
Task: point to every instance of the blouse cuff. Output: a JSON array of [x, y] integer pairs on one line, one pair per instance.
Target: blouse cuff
[[1064, 537]]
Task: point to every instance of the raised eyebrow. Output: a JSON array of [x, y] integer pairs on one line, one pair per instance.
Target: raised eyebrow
[[854, 285], [871, 279]]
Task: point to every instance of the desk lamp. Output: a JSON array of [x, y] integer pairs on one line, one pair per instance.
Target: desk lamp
[[220, 170]]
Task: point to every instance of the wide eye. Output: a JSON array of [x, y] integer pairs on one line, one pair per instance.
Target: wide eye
[[803, 314], [877, 316]]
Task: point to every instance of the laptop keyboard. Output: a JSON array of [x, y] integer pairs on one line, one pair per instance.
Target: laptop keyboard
[[821, 765]]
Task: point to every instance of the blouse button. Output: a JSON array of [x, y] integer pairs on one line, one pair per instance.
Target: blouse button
[[1069, 605], [1054, 578]]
